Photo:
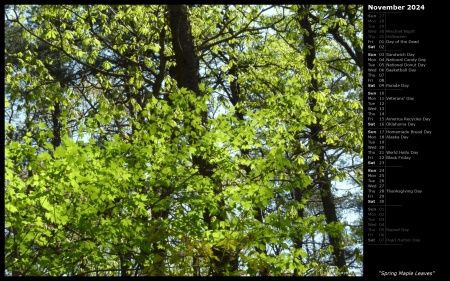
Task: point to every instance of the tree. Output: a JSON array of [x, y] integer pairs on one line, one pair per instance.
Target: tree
[[182, 140]]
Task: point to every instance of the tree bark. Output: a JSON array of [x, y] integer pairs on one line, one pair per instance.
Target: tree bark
[[186, 73], [323, 181]]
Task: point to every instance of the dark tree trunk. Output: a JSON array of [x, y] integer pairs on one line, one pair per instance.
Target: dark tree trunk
[[186, 73], [56, 125], [323, 181]]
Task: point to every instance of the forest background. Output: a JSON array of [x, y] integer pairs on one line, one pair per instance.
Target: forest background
[[183, 140]]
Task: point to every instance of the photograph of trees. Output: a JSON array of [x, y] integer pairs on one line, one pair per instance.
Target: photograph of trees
[[183, 140]]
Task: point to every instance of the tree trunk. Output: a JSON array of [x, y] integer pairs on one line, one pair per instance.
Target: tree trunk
[[323, 181], [186, 73]]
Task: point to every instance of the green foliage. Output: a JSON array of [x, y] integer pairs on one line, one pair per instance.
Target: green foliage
[[102, 176]]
